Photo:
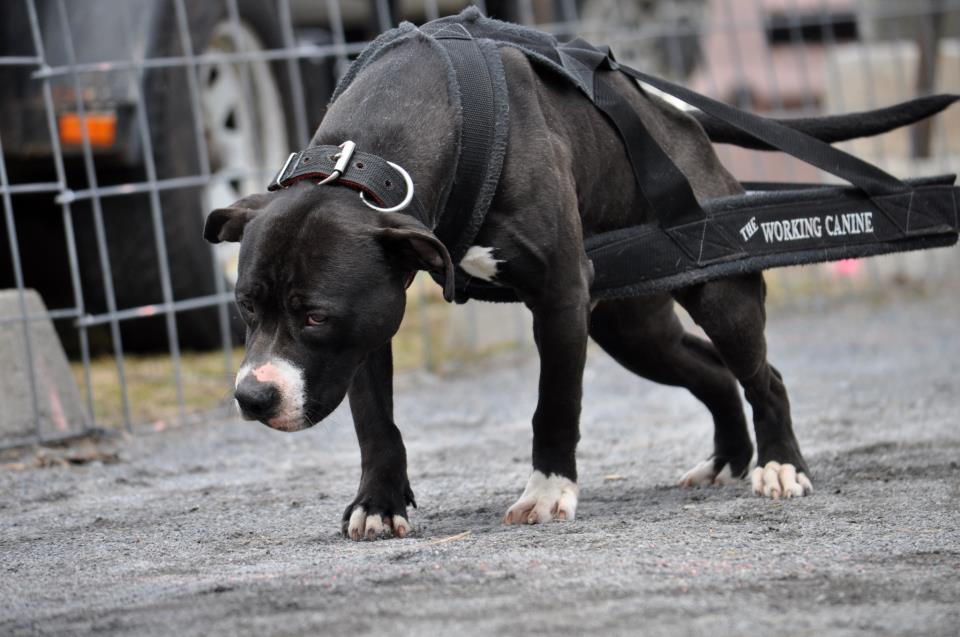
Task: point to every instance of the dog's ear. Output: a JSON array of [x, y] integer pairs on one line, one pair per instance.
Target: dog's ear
[[226, 224], [417, 247]]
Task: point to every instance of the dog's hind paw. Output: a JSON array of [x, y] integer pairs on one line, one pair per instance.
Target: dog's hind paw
[[775, 480], [361, 525], [707, 473], [544, 499]]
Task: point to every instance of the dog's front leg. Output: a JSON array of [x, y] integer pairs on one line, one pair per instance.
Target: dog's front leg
[[560, 332], [380, 507]]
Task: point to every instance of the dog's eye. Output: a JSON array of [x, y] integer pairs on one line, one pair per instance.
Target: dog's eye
[[246, 306], [315, 318]]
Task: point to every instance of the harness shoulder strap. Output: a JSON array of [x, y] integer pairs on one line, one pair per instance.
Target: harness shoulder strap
[[867, 177], [870, 179], [662, 184], [483, 133]]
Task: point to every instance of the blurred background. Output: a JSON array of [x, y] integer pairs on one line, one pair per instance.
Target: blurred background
[[123, 122]]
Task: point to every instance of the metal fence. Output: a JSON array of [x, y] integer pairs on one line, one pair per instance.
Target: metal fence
[[109, 158]]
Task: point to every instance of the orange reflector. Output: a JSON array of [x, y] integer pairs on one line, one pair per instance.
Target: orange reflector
[[101, 128]]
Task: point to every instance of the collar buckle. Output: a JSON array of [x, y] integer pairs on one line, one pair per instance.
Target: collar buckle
[[277, 182], [343, 160]]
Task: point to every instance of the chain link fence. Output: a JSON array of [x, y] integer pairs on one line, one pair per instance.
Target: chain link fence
[[122, 122]]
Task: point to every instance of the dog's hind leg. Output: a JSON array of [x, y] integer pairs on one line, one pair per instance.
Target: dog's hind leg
[[731, 312], [645, 336]]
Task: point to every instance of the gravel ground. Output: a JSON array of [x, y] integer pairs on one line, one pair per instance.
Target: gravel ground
[[231, 528]]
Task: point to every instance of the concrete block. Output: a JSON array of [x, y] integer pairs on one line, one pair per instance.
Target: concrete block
[[59, 407]]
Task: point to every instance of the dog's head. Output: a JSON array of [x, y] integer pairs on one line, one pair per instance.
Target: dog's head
[[322, 284]]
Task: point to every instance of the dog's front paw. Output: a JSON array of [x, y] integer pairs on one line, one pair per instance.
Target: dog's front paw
[[379, 512], [361, 524], [774, 480], [544, 499]]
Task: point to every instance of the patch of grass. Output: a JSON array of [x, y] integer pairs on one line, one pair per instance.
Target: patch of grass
[[151, 385]]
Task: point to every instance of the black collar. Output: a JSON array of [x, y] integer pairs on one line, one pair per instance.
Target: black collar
[[383, 185]]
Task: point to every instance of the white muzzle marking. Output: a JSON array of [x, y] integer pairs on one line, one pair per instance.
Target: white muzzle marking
[[289, 381]]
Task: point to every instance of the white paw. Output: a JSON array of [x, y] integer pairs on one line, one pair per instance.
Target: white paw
[[774, 480], [704, 474], [544, 499], [372, 527]]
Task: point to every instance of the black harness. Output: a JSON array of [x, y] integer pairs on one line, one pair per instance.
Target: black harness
[[688, 242]]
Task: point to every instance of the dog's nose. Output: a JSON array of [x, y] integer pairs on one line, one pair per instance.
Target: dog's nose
[[257, 400]]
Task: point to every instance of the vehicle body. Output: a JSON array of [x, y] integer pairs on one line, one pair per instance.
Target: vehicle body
[[151, 130]]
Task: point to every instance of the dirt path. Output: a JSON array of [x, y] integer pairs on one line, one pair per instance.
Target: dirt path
[[230, 528]]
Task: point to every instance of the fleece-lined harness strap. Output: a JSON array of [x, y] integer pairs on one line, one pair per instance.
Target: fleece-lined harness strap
[[483, 133]]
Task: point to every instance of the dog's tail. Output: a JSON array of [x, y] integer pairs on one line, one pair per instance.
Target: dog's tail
[[834, 128]]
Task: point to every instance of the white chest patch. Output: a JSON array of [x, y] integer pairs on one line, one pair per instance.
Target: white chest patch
[[479, 262]]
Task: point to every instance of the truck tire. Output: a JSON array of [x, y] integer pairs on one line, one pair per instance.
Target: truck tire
[[251, 125]]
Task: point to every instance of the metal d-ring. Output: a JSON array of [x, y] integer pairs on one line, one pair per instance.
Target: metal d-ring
[[406, 200], [343, 160]]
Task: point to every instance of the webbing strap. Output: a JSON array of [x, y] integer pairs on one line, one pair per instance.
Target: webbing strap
[[665, 188], [870, 179], [663, 185], [483, 100]]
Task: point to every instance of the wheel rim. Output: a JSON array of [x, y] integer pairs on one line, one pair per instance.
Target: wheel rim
[[244, 125]]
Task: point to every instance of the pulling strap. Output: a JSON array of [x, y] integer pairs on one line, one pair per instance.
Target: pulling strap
[[666, 188], [870, 179]]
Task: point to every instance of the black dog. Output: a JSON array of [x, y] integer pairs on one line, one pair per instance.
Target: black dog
[[323, 277]]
